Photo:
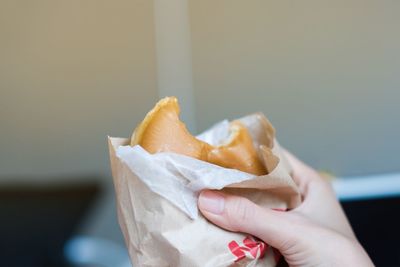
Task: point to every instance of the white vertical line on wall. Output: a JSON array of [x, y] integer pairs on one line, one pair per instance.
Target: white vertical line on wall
[[174, 55]]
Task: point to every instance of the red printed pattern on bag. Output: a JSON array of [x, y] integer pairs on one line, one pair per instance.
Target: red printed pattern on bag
[[254, 248]]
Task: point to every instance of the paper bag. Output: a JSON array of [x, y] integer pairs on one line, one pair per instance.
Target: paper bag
[[157, 201]]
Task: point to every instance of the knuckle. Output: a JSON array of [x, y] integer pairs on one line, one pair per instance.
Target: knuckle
[[240, 211], [287, 246]]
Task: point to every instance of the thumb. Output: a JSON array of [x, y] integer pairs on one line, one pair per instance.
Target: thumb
[[239, 214]]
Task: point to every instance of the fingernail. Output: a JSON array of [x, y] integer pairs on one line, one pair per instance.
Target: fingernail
[[212, 202]]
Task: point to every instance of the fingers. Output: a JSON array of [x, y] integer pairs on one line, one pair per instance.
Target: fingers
[[320, 202], [239, 214], [296, 164], [302, 173], [313, 188]]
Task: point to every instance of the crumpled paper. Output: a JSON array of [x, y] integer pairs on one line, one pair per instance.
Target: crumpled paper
[[157, 201]]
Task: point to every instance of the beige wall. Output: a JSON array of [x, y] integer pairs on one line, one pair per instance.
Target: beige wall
[[71, 73], [326, 74]]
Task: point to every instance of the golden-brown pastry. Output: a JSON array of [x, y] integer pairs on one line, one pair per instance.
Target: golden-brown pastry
[[163, 131]]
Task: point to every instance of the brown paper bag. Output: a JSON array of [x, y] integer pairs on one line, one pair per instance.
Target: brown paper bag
[[157, 201]]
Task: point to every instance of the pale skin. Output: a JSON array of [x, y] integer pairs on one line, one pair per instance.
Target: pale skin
[[316, 233]]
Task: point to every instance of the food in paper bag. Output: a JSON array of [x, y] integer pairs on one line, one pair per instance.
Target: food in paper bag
[[159, 173], [162, 131]]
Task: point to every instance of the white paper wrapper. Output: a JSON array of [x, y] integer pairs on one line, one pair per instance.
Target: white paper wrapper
[[157, 201]]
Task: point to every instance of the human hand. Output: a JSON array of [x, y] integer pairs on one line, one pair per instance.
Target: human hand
[[316, 233]]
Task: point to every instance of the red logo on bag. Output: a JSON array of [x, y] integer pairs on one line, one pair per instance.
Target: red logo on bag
[[251, 246]]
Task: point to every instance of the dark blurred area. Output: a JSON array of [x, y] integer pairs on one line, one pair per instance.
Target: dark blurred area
[[376, 224], [38, 220]]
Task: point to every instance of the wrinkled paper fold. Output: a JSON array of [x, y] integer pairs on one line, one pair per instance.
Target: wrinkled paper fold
[[157, 200]]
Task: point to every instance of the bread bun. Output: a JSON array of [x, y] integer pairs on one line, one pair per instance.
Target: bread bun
[[163, 131]]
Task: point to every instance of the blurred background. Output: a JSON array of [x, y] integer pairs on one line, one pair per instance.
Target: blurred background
[[72, 72]]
